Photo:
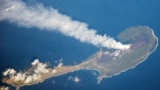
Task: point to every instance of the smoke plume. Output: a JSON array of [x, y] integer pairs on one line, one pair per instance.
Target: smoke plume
[[17, 11]]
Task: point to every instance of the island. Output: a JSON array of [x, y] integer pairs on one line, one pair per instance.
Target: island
[[108, 62]]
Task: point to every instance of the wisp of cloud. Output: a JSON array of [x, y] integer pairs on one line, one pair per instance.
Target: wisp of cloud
[[17, 11]]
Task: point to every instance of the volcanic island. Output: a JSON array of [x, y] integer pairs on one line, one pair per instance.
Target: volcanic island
[[107, 62]]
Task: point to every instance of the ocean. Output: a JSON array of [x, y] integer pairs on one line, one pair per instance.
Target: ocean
[[19, 46]]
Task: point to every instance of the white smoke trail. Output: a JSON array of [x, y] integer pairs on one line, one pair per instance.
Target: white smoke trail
[[16, 11]]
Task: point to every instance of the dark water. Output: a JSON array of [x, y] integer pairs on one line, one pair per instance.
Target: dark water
[[20, 46]]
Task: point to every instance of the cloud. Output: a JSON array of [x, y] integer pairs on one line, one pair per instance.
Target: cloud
[[4, 88], [16, 11], [60, 64], [76, 79], [36, 73], [9, 72]]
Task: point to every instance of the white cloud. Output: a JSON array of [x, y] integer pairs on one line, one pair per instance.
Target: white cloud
[[36, 61], [54, 71], [28, 79], [16, 11], [4, 88], [9, 72], [33, 74], [76, 79], [60, 64]]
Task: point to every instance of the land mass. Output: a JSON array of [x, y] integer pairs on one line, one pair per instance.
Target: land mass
[[108, 62]]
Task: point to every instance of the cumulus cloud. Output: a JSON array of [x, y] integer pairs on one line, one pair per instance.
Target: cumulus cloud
[[36, 73], [9, 72], [60, 64], [76, 79], [4, 88], [16, 11]]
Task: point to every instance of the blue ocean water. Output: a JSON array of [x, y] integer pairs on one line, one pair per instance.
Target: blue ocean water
[[19, 46]]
